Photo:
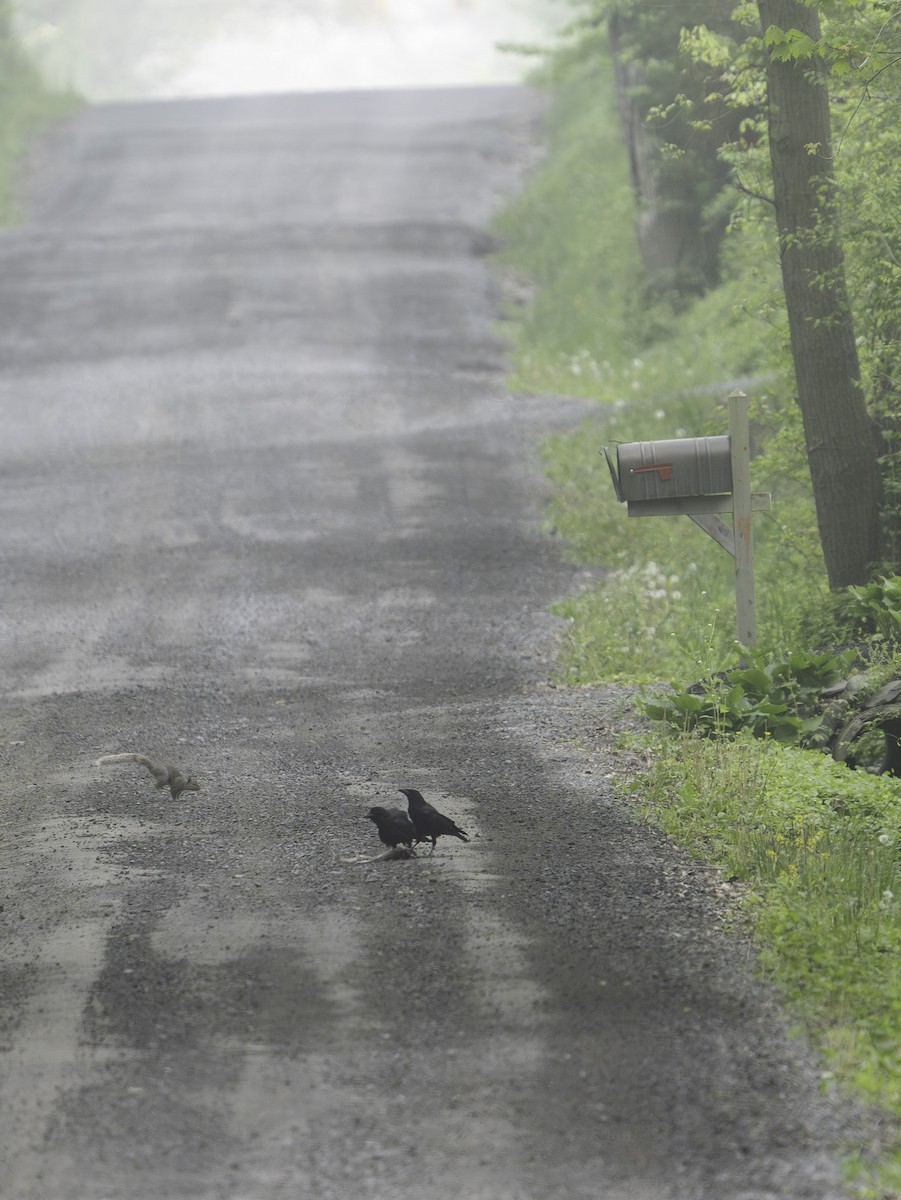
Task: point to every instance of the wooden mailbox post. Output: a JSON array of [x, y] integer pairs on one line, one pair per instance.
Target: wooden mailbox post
[[700, 478]]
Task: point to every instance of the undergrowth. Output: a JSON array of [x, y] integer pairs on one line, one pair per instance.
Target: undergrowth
[[766, 695]]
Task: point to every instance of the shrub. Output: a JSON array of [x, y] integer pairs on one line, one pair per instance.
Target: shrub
[[772, 695]]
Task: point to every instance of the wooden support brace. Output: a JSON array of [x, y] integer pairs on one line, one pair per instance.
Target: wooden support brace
[[717, 528]]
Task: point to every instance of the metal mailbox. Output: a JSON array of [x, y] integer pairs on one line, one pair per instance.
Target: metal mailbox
[[678, 467], [700, 478]]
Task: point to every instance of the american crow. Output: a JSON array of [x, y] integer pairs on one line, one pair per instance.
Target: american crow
[[428, 822], [394, 826]]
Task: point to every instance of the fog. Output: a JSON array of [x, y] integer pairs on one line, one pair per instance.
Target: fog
[[110, 50]]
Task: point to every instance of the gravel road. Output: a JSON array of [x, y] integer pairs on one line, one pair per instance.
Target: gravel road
[[270, 514]]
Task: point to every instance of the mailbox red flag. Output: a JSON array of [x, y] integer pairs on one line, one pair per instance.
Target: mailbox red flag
[[664, 470]]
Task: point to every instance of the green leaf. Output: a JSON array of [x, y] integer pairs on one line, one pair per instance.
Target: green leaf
[[790, 45]]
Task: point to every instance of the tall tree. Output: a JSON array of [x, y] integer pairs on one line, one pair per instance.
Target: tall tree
[[841, 440], [674, 121]]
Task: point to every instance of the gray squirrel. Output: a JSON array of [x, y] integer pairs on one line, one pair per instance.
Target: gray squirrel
[[169, 777]]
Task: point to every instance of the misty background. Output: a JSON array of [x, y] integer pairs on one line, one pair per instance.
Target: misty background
[[110, 50]]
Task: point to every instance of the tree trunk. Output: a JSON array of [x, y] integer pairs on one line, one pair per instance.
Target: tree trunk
[[841, 440], [662, 231]]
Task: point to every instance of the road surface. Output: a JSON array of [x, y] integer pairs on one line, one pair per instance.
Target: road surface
[[269, 514]]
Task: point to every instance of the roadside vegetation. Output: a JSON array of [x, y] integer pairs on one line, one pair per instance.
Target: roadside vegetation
[[738, 770], [26, 105]]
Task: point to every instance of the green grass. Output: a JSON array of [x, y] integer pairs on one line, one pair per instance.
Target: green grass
[[26, 106], [814, 849], [813, 845]]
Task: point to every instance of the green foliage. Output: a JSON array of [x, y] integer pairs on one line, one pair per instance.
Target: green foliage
[[855, 39], [790, 45], [25, 105], [664, 374], [876, 605], [583, 319], [868, 166], [702, 72], [771, 695], [678, 75]]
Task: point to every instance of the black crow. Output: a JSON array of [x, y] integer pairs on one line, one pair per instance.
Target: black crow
[[428, 822], [394, 826]]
